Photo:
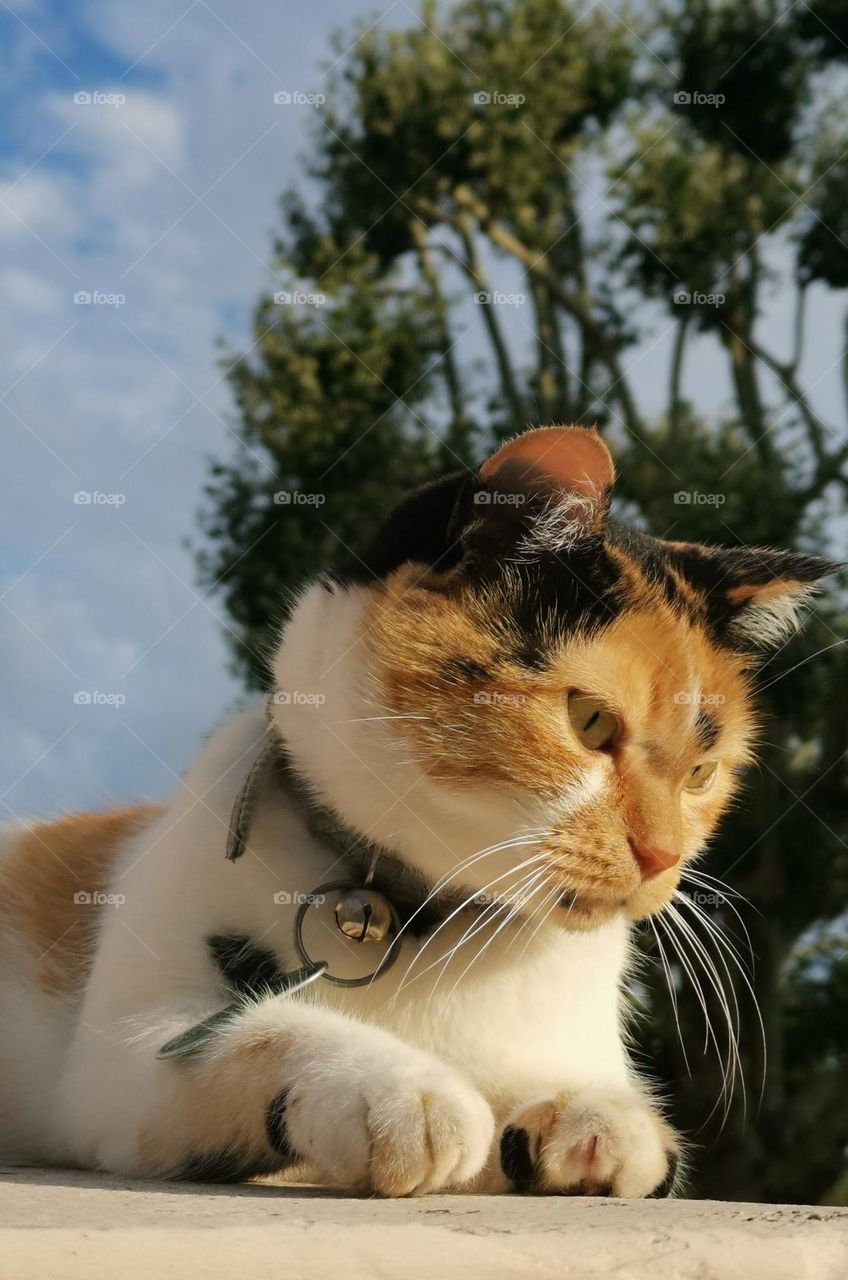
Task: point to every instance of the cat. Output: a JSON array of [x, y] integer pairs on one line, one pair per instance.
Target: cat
[[495, 739]]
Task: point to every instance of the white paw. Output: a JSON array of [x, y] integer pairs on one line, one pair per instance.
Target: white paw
[[401, 1126], [590, 1143]]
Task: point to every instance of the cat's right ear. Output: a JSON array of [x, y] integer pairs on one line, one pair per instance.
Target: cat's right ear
[[556, 478], [551, 461], [544, 492]]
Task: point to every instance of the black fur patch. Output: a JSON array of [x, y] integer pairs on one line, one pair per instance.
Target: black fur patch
[[588, 1189], [706, 728], [275, 1127], [243, 965], [664, 1190], [465, 669], [516, 1161], [227, 1164], [424, 528]]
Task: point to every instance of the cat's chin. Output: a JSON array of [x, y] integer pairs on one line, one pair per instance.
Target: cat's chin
[[581, 913]]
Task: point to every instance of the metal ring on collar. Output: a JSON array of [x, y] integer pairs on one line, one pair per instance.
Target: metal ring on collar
[[388, 959]]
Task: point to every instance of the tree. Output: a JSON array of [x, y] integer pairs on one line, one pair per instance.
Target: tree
[[461, 158]]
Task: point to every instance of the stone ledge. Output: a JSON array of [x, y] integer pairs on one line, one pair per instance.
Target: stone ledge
[[57, 1225]]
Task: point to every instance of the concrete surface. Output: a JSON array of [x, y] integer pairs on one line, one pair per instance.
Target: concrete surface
[[56, 1225]]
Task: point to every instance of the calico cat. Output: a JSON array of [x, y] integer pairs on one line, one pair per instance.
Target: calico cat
[[493, 743]]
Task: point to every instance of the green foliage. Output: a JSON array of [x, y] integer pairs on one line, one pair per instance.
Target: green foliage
[[583, 186], [750, 54]]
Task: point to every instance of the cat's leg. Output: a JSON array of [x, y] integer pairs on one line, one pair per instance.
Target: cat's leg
[[279, 1083], [600, 1142]]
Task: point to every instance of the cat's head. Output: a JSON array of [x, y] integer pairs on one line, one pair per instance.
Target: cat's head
[[522, 652]]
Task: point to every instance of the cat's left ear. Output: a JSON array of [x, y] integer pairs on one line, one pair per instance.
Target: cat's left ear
[[756, 594]]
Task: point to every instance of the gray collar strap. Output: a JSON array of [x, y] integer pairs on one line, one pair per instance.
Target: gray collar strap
[[368, 861]]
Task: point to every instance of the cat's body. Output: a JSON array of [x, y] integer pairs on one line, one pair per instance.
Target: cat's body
[[492, 1052]]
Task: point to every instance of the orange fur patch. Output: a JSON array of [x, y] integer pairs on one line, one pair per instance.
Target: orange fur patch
[[480, 717], [49, 883]]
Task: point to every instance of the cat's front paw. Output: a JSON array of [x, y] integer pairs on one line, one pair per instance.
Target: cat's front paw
[[591, 1143], [405, 1128]]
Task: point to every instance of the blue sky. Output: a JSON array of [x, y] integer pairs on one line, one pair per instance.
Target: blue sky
[[158, 196]]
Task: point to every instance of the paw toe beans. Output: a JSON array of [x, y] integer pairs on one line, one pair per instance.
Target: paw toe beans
[[597, 1145]]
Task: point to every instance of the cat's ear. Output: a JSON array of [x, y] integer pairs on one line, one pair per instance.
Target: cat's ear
[[756, 595], [553, 460], [544, 490], [557, 480], [767, 589]]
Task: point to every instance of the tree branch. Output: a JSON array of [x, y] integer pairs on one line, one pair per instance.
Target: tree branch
[[460, 423], [675, 403], [537, 264], [474, 271]]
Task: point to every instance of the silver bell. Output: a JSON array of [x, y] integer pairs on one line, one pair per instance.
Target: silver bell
[[363, 915]]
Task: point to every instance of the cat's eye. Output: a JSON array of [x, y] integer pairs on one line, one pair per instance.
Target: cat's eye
[[595, 725], [702, 776]]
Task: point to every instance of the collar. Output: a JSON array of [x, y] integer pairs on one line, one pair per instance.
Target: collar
[[369, 862]]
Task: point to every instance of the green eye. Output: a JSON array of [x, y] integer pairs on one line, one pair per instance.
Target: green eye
[[595, 725], [701, 777]]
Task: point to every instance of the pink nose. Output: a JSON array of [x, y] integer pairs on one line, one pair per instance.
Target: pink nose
[[652, 860]]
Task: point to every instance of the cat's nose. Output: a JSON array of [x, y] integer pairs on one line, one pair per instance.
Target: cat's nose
[[651, 859]]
